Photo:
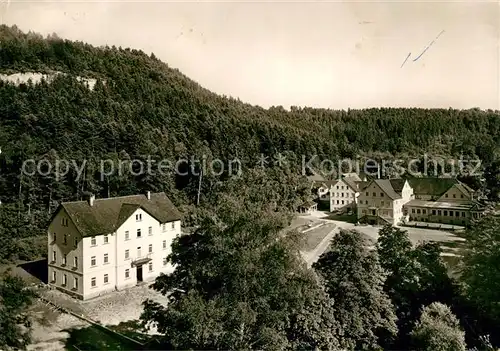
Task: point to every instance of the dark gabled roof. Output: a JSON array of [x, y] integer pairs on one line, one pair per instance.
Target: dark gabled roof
[[308, 204], [459, 205], [465, 188], [352, 183], [107, 215], [387, 187], [316, 177], [363, 184], [329, 183], [353, 175], [398, 185], [431, 186]]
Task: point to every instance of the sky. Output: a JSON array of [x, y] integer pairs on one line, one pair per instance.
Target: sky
[[336, 55]]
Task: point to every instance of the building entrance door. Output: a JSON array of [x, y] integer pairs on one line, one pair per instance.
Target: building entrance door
[[139, 273]]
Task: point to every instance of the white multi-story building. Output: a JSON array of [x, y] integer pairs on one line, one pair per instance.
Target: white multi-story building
[[344, 192], [381, 201], [102, 245]]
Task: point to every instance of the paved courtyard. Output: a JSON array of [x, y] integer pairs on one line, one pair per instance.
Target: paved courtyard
[[110, 309], [416, 235]]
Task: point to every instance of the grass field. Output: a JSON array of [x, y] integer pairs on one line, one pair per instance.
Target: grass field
[[312, 238]]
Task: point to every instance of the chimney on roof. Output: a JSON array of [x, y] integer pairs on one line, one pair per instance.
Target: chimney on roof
[[148, 194], [91, 200]]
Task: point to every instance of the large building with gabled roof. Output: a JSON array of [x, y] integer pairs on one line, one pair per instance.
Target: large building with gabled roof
[[434, 200], [381, 201], [447, 201], [101, 245]]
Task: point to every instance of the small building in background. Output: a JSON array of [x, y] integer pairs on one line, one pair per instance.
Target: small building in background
[[308, 207]]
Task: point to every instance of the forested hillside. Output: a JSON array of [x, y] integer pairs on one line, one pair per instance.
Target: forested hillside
[[140, 106]]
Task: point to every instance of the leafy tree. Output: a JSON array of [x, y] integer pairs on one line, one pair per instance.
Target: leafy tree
[[438, 330], [15, 297], [354, 280], [240, 284], [416, 277], [492, 177], [481, 272]]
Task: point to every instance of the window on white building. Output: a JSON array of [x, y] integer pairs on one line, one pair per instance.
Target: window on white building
[[92, 261], [150, 230], [127, 235], [150, 266], [173, 225], [93, 241], [65, 279], [106, 240], [127, 254], [138, 217], [164, 261], [163, 227], [54, 256], [54, 276], [164, 244], [342, 202], [75, 283], [106, 279], [105, 258], [64, 259], [75, 262], [342, 195], [139, 254], [127, 273], [150, 250], [138, 233], [93, 282]]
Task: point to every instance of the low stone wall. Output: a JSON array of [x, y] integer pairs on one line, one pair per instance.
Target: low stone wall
[[91, 322]]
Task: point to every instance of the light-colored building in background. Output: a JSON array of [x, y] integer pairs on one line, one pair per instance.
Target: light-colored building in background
[[102, 245], [344, 192], [381, 201], [445, 201], [433, 200]]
